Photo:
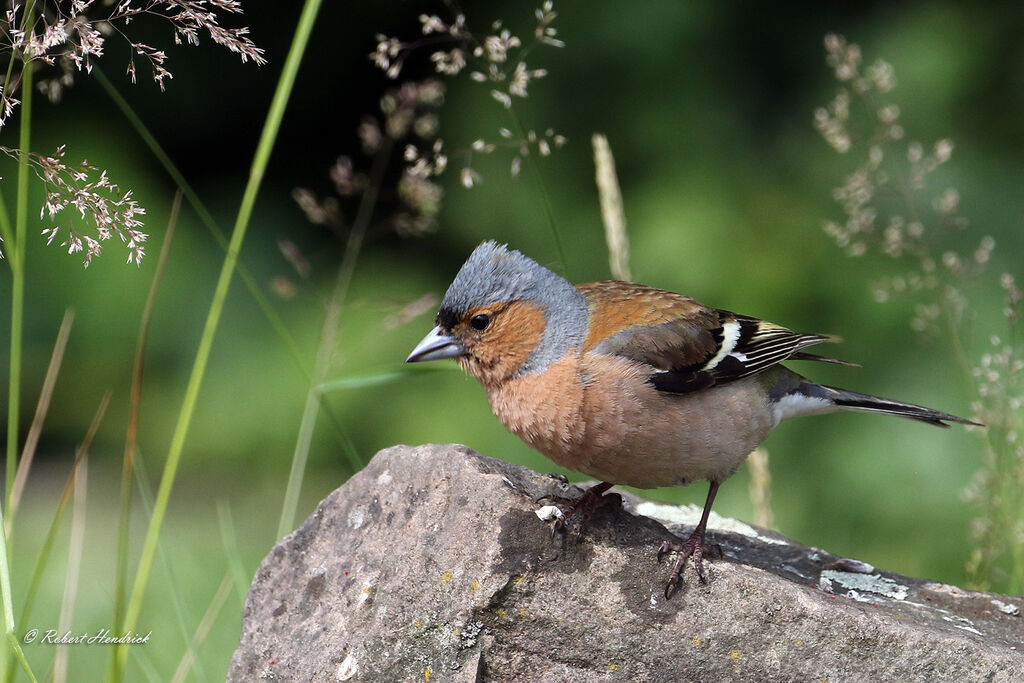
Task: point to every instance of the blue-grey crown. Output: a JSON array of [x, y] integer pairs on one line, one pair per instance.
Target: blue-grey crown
[[493, 273]]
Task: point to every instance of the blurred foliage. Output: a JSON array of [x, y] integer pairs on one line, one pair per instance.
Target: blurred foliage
[[726, 184]]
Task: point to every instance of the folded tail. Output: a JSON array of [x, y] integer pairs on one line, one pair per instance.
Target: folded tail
[[851, 400]]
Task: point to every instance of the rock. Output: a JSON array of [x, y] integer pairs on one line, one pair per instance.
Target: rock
[[431, 564]]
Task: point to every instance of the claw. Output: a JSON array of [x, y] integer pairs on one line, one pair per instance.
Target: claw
[[557, 526], [585, 505], [665, 548], [670, 586], [698, 563], [692, 547], [686, 550]]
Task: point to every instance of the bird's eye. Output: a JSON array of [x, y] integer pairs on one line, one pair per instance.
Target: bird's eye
[[480, 322]]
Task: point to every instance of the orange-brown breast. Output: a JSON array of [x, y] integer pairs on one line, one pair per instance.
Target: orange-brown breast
[[544, 410], [597, 414]]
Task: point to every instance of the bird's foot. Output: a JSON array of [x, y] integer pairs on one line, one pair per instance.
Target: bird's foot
[[584, 507], [693, 547]]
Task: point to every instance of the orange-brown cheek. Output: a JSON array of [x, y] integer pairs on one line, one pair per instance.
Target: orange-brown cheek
[[503, 349]]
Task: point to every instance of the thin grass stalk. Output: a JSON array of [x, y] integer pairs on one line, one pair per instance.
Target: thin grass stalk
[[65, 497], [42, 407], [612, 213], [132, 431], [328, 338], [760, 488], [8, 609], [203, 630], [14, 377], [17, 257], [177, 601], [146, 666], [6, 227], [549, 210], [75, 545], [8, 79], [230, 540], [1012, 492], [19, 655], [58, 516], [382, 377], [1009, 511], [266, 143]]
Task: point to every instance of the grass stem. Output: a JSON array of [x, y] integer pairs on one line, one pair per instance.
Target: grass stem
[[260, 161]]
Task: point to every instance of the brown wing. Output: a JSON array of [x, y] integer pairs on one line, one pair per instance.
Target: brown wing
[[663, 329], [689, 345]]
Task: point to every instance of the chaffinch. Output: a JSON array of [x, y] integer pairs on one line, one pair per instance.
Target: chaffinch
[[630, 384]]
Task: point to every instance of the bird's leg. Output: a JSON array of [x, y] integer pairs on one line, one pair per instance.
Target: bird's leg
[[584, 506], [691, 547]]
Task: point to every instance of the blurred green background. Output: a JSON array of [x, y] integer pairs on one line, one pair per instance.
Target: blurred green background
[[708, 109]]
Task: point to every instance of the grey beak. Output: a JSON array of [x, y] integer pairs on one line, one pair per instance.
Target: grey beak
[[436, 346]]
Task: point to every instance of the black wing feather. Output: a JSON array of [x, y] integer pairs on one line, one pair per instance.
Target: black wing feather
[[745, 346]]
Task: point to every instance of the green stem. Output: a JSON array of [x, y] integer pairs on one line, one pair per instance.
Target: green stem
[[174, 583], [263, 150], [131, 436], [8, 605], [69, 487], [960, 356], [328, 335], [12, 640], [17, 256], [549, 210], [6, 228]]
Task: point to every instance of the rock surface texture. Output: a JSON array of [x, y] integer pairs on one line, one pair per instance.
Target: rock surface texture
[[431, 565]]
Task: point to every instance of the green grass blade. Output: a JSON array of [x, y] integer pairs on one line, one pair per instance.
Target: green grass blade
[[267, 138], [146, 496], [190, 657], [230, 540], [146, 666], [42, 407], [8, 609], [58, 516], [19, 655], [131, 435], [328, 337], [377, 379], [17, 257], [71, 579], [6, 228]]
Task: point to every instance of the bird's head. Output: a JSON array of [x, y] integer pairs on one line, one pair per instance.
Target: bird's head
[[504, 315]]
